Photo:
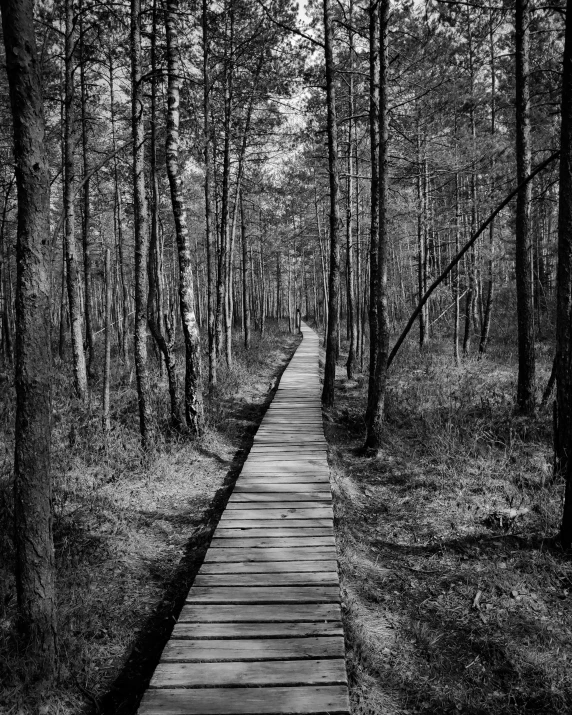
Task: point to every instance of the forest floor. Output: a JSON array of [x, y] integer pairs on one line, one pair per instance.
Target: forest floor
[[455, 597], [130, 530]]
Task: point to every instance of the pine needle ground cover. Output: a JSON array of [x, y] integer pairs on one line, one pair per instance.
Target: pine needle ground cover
[[129, 529], [455, 599]]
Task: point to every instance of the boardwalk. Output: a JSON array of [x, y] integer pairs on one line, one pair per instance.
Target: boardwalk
[[260, 631]]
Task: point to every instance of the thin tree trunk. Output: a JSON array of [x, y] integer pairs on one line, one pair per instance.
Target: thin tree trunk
[[245, 266], [35, 567], [161, 328], [86, 217], [524, 302], [193, 397], [334, 277], [106, 415], [351, 321], [208, 209], [374, 126], [140, 227], [377, 399], [563, 363], [74, 301]]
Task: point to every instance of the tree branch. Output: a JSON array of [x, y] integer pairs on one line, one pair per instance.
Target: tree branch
[[462, 252]]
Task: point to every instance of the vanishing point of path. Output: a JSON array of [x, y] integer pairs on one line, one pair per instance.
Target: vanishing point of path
[[261, 628]]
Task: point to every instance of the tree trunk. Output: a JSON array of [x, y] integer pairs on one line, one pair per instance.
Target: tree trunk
[[193, 397], [245, 266], [74, 300], [208, 210], [377, 399], [141, 230], [334, 277], [524, 304], [351, 320], [86, 216], [105, 413], [563, 361], [35, 568], [161, 328], [374, 50]]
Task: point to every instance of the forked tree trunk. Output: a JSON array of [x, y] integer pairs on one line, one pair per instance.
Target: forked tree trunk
[[141, 227], [35, 568], [334, 278], [193, 397]]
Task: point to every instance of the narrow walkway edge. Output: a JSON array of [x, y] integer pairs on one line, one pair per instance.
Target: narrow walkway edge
[[261, 631]]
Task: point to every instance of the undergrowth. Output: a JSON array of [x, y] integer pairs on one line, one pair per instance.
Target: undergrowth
[[122, 518], [455, 597]]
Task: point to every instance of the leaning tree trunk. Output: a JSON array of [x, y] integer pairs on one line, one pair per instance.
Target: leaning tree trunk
[[35, 568], [193, 398], [334, 278], [524, 301], [141, 227], [377, 399], [563, 363], [79, 366]]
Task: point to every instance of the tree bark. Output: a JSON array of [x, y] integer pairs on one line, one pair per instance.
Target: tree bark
[[374, 53], [193, 397], [35, 568], [141, 227], [526, 387], [334, 276], [74, 300], [161, 326], [208, 210], [377, 399], [563, 362], [86, 215]]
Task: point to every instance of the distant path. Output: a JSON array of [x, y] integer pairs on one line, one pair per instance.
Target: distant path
[[261, 631]]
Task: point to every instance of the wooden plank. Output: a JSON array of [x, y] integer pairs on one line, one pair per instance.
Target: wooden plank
[[197, 651], [197, 631], [292, 553], [311, 699], [265, 673], [269, 487], [272, 541], [272, 496], [318, 479], [300, 613], [289, 512], [283, 505], [261, 523], [225, 567], [264, 594], [281, 530], [268, 579]]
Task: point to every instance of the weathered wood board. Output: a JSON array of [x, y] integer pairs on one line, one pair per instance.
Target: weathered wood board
[[260, 632]]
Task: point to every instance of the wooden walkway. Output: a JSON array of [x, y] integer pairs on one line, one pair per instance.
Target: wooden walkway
[[260, 632]]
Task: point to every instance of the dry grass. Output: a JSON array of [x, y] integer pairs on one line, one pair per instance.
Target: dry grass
[[124, 524], [455, 598]]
